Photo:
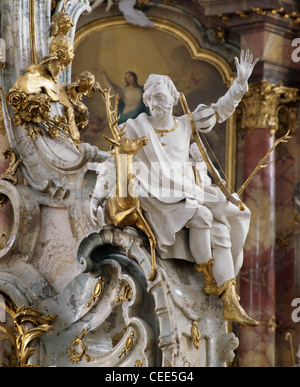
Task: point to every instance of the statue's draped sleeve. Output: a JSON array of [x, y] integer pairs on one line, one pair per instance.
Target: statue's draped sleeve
[[206, 117]]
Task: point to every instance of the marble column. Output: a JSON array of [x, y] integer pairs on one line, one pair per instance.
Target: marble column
[[257, 281], [260, 119], [287, 233]]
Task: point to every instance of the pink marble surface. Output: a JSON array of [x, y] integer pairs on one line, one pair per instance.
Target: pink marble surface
[[257, 278]]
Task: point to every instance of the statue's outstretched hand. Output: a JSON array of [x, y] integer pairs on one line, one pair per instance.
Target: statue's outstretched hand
[[245, 67]]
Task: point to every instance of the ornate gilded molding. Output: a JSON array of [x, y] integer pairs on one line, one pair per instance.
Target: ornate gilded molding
[[196, 335], [128, 345], [76, 356], [291, 16], [22, 335], [96, 292], [269, 106], [127, 294], [138, 363]]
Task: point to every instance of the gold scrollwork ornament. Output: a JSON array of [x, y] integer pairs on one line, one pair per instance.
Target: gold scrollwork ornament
[[76, 356], [138, 363], [21, 336], [196, 335], [127, 293], [96, 292], [128, 345], [9, 174]]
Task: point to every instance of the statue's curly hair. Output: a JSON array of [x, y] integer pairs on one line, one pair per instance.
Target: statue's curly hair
[[155, 79]]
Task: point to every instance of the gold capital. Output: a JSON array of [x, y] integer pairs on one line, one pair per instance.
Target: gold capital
[[269, 106]]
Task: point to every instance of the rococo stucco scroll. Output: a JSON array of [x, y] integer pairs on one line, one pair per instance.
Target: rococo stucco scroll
[[88, 280]]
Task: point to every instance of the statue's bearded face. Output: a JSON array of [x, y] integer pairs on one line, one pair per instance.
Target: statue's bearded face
[[159, 100]]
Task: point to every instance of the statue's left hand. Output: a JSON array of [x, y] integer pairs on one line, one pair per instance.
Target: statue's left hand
[[245, 67]]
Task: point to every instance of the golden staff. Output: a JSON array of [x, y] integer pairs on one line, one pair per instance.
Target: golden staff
[[261, 164]]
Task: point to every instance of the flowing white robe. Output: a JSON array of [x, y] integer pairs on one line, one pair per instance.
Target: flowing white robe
[[166, 185]]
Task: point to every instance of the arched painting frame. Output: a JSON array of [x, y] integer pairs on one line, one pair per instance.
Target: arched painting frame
[[112, 43]]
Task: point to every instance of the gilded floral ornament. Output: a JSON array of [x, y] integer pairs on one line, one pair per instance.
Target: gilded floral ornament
[[20, 335], [15, 98], [32, 108]]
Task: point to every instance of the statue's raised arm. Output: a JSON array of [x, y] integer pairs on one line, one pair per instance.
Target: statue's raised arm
[[244, 67], [227, 104]]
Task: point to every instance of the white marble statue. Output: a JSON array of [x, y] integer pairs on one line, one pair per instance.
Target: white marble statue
[[132, 15], [171, 200]]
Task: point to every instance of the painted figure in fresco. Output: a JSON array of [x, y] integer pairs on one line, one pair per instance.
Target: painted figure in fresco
[[171, 200], [131, 96]]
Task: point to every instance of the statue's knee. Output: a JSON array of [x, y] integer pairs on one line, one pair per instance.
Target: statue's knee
[[205, 214], [203, 218]]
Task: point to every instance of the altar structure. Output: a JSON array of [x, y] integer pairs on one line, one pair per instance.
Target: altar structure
[[73, 293]]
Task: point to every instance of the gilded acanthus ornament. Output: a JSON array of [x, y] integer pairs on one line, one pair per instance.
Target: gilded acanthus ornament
[[21, 335], [263, 105]]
